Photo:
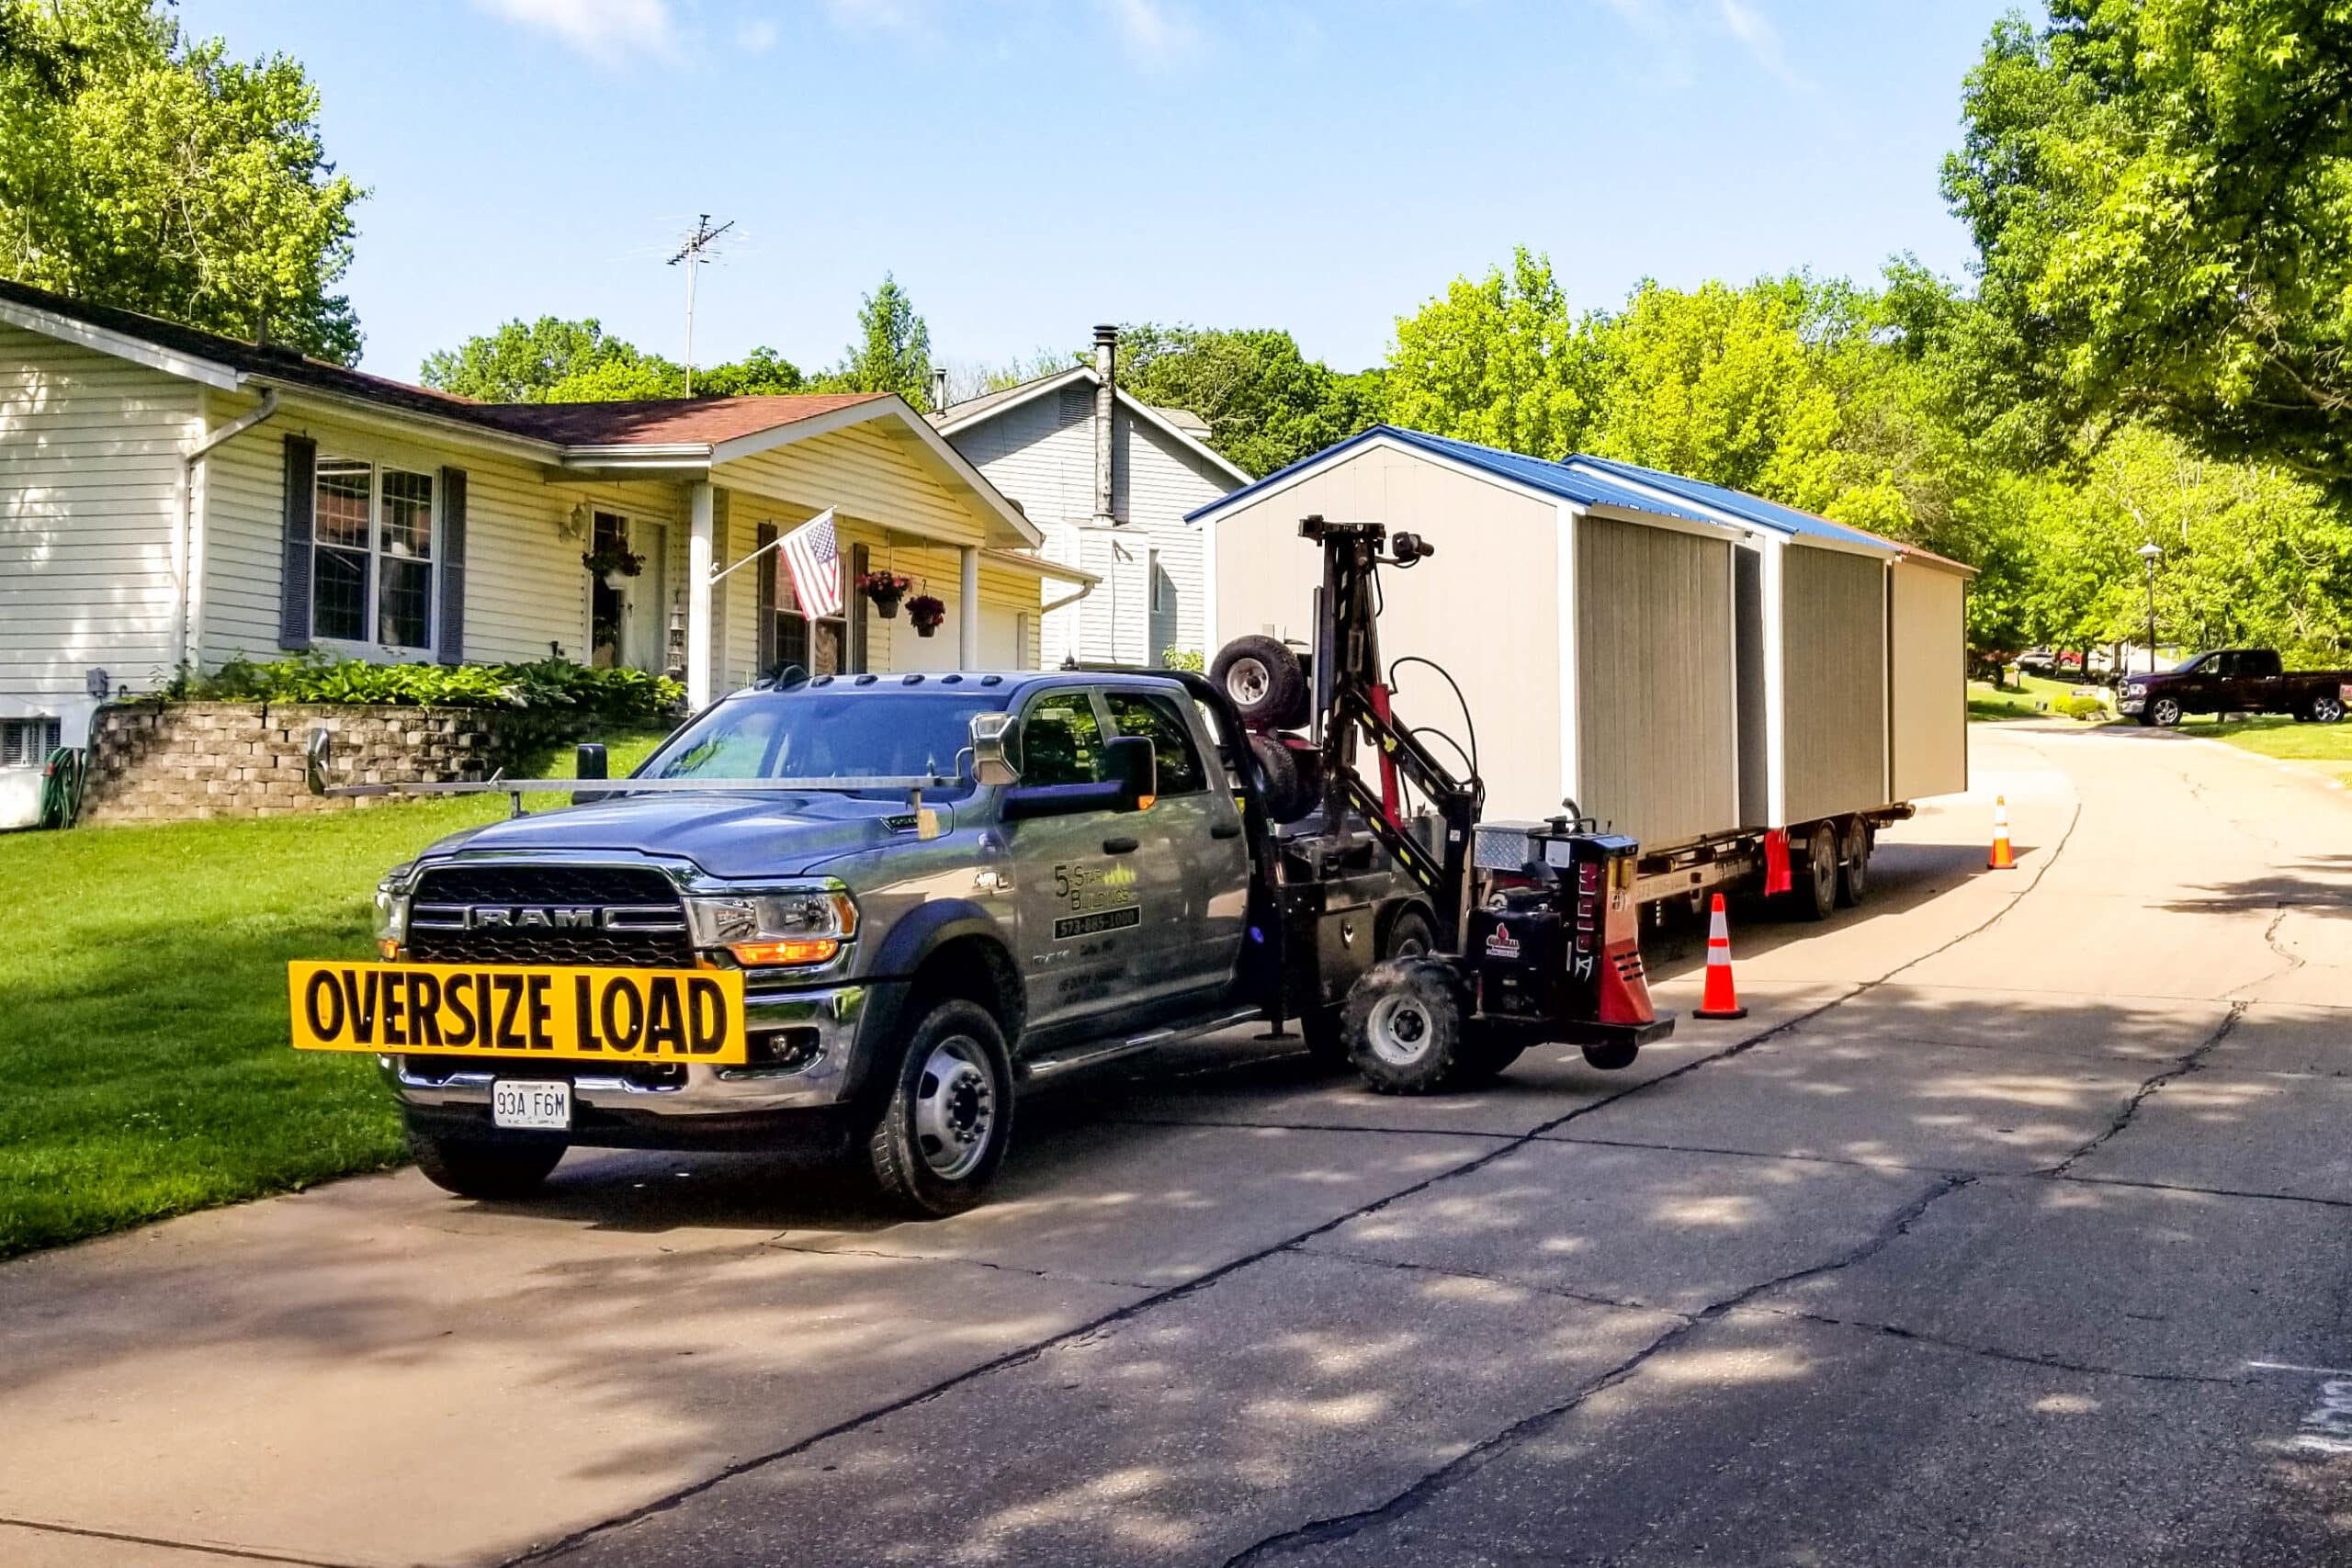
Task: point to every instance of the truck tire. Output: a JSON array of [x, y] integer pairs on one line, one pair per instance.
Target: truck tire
[[2164, 712], [1409, 935], [1853, 862], [1404, 1026], [485, 1164], [1813, 891], [1263, 679], [1279, 784], [947, 1115], [2327, 708]]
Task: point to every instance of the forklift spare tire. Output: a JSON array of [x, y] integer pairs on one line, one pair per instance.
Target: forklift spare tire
[[1263, 679], [1404, 1025], [1286, 794]]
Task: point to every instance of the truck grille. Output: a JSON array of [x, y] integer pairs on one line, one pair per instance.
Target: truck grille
[[621, 916]]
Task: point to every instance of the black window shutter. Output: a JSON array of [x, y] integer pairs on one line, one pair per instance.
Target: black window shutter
[[764, 537], [294, 576], [451, 572]]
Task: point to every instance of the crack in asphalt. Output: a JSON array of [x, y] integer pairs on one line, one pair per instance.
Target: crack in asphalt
[[777, 1245], [2180, 1069], [2195, 1191], [1450, 1271], [1421, 1491], [234, 1553], [1990, 1352]]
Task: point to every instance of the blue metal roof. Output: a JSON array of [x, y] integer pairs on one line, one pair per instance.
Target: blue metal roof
[[1535, 473], [1738, 503]]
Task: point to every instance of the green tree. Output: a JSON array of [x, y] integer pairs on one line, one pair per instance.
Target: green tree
[[139, 170], [893, 350], [552, 360], [2158, 190], [1501, 361], [1266, 404]]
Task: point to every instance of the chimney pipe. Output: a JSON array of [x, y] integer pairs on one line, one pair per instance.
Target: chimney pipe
[[938, 388], [1106, 369]]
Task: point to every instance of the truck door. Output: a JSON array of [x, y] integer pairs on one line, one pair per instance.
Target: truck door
[[2261, 688], [1083, 921], [1198, 862]]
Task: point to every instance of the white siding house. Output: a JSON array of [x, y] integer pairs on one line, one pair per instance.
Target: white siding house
[[1044, 443]]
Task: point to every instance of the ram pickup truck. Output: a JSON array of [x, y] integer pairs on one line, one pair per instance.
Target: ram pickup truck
[[2235, 680], [868, 969]]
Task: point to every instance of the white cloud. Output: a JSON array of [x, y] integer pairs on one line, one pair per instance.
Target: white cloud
[[609, 31], [1763, 41], [912, 18], [757, 36], [1152, 32]]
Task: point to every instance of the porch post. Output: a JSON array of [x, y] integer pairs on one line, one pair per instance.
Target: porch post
[[699, 509], [967, 625]]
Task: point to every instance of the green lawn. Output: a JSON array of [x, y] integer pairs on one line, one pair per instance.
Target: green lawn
[[2033, 697], [144, 1068], [2326, 746]]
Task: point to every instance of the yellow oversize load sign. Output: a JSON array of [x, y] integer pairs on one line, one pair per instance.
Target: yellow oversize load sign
[[596, 1015]]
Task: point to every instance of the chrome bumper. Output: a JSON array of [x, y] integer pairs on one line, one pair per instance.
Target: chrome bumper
[[826, 1078], [2128, 705]]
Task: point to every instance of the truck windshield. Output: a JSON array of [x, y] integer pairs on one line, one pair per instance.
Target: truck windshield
[[809, 735]]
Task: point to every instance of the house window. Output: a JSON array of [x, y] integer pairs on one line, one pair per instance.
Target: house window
[[373, 566], [1157, 577], [26, 743], [815, 644]]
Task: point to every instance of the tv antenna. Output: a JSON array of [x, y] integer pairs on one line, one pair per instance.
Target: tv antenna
[[700, 247]]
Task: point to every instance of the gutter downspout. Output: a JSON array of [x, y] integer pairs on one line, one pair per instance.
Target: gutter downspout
[[187, 532]]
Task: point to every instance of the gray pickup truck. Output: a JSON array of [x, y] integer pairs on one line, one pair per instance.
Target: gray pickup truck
[[1090, 875]]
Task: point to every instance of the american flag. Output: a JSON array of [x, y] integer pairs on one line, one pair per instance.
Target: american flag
[[813, 555]]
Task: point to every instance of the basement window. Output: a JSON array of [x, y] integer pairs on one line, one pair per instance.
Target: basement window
[[26, 743]]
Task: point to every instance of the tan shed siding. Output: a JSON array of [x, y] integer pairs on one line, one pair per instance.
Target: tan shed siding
[[1833, 635], [1928, 682], [89, 491], [1656, 740], [1484, 607], [526, 595]]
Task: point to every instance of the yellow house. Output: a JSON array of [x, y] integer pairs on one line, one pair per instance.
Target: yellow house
[[170, 498]]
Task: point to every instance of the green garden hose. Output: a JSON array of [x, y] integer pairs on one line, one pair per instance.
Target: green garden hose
[[61, 788]]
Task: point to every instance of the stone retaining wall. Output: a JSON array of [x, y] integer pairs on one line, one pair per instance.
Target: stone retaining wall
[[152, 763]]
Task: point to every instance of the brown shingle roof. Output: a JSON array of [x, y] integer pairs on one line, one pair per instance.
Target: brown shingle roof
[[662, 421]]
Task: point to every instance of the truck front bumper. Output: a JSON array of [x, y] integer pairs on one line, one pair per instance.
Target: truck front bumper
[[826, 1038], [2129, 704]]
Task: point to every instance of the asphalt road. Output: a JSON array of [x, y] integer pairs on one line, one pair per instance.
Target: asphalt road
[[2011, 1227]]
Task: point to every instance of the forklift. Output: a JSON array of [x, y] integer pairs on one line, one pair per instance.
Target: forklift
[[1537, 931]]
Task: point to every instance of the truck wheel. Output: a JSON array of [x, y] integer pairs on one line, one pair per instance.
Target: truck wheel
[[1263, 679], [1404, 1025], [942, 1131], [1279, 784], [1853, 862], [1613, 1058], [1814, 893], [2164, 712], [484, 1164], [2327, 708]]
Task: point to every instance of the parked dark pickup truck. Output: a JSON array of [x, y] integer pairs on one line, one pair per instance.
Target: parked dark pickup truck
[[2235, 680]]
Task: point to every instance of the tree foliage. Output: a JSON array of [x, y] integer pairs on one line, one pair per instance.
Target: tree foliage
[[1502, 361], [892, 353], [553, 360], [2159, 190], [1266, 404], [139, 170]]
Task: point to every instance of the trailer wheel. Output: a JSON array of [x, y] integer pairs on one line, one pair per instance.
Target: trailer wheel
[[1814, 895], [1264, 679], [1853, 862], [1404, 1025], [1279, 784]]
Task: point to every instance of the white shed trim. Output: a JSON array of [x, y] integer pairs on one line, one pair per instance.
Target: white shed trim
[[1565, 569]]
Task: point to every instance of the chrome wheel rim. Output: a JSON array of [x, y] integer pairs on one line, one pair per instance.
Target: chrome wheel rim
[[2166, 711], [1399, 1029], [2327, 710], [1247, 681], [956, 1108]]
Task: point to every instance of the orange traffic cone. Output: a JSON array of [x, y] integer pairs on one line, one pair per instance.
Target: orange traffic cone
[[2000, 860], [1721, 1000]]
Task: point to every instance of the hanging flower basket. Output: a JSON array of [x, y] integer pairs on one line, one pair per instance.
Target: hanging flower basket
[[616, 564], [884, 589], [926, 613]]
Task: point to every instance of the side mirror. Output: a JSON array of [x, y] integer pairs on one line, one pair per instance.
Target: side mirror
[[314, 761], [994, 735], [590, 764], [1130, 762]]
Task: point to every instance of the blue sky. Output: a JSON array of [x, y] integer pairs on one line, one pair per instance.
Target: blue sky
[[1029, 167]]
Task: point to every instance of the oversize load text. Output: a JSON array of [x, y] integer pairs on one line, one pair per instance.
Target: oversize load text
[[418, 1009]]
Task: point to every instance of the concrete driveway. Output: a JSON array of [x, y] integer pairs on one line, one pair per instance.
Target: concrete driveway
[[2010, 1228]]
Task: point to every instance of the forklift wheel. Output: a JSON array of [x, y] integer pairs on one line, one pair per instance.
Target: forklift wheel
[[1264, 681], [1404, 1025], [1614, 1057]]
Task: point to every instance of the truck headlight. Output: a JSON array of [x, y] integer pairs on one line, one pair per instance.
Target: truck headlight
[[392, 912], [784, 926]]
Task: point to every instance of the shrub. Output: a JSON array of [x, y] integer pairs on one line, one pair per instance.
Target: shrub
[[555, 687], [2082, 707], [1183, 658]]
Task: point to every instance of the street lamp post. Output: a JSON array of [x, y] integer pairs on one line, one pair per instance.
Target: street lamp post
[[2149, 552]]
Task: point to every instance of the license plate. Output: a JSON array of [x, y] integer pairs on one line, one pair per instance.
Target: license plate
[[533, 1104], [574, 1014]]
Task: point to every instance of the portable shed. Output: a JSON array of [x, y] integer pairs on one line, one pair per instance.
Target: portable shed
[[1681, 660]]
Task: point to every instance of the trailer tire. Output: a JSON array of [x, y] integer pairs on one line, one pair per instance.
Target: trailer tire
[[496, 1168], [1280, 786], [1264, 679], [1853, 862], [1814, 893], [1404, 1026]]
